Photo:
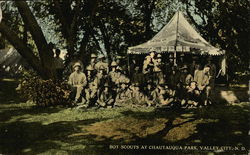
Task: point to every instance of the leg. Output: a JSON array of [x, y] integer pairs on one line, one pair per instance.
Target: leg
[[78, 93]]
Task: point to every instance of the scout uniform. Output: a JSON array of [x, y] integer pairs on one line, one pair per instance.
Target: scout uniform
[[138, 77], [203, 82], [149, 99], [113, 69], [101, 64], [91, 93], [212, 72], [185, 77], [77, 80], [59, 64], [105, 98], [137, 96], [165, 96], [121, 64], [101, 77], [90, 73], [93, 61], [124, 95], [169, 65], [193, 94]]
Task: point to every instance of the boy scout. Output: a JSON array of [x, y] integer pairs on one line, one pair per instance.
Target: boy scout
[[90, 73], [93, 61], [165, 95], [105, 98], [148, 94], [91, 93], [149, 60], [137, 96], [59, 65], [113, 69], [193, 94], [212, 72], [138, 77], [101, 64], [124, 95], [101, 76], [77, 80]]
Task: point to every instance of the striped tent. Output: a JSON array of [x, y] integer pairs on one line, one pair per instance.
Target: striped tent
[[177, 36]]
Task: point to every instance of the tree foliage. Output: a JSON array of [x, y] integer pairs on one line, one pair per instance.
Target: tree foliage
[[225, 24], [111, 26]]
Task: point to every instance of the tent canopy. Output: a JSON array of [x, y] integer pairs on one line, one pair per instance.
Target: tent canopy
[[177, 36], [11, 62]]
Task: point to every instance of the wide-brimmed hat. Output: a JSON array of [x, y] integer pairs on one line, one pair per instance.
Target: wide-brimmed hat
[[102, 67], [93, 55], [119, 57], [159, 56], [184, 67], [77, 64], [106, 85], [113, 64], [101, 56], [89, 68]]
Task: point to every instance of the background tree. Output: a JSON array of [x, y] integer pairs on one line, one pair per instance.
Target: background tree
[[226, 25], [111, 26]]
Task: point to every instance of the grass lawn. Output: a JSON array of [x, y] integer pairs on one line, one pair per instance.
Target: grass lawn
[[26, 129]]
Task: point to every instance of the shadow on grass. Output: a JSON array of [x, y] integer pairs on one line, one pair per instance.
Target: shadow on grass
[[8, 95], [216, 125], [222, 125], [6, 114]]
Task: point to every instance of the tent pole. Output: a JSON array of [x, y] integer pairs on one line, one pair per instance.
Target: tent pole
[[177, 25], [128, 66], [175, 64]]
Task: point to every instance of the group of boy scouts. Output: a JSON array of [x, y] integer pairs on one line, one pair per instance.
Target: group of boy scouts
[[155, 83]]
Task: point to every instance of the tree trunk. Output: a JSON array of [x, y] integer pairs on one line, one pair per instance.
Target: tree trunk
[[45, 53], [21, 47], [106, 40]]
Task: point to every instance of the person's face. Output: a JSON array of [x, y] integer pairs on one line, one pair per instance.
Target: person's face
[[149, 86], [206, 69], [193, 85], [136, 88], [101, 71], [77, 68], [159, 59], [89, 73], [123, 86], [93, 59], [106, 89], [185, 71], [152, 54]]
